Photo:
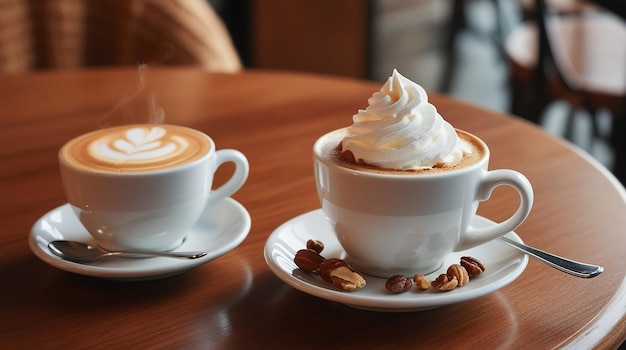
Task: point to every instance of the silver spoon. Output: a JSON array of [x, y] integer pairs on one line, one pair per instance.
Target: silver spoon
[[572, 267], [82, 252]]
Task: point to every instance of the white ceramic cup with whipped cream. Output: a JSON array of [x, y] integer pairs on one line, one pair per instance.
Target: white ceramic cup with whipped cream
[[142, 187], [401, 186]]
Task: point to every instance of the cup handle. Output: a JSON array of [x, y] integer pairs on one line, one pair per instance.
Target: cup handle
[[238, 178], [476, 236]]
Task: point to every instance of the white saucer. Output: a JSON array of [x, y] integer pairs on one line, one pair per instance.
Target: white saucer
[[219, 230], [503, 265]]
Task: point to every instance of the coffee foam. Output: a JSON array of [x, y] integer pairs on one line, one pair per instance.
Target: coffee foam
[[135, 148], [331, 150]]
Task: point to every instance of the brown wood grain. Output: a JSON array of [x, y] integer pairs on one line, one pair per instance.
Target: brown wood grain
[[235, 301]]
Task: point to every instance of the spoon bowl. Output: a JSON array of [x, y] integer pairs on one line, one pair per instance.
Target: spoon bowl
[[83, 252]]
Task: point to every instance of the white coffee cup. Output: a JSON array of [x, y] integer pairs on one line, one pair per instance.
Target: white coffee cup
[[142, 187], [390, 223]]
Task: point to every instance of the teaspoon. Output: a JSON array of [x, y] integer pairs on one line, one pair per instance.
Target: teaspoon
[[82, 252], [572, 267]]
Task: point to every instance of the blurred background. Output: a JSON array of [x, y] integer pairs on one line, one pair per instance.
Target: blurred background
[[448, 46], [558, 63]]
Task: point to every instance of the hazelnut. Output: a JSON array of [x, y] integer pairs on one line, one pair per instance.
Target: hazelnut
[[308, 260], [398, 284], [315, 245]]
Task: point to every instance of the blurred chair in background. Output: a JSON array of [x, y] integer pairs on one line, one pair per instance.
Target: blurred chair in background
[[457, 23], [564, 47], [578, 57], [47, 34]]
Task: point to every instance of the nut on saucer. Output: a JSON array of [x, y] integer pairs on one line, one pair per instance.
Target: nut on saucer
[[398, 284], [472, 265], [347, 279], [308, 260]]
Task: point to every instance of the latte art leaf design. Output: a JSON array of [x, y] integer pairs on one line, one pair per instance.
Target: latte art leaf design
[[138, 136], [139, 144]]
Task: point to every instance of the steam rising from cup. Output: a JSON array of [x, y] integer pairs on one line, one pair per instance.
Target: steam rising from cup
[[138, 107]]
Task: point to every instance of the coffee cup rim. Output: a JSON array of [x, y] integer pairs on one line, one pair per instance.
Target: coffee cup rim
[[65, 163], [478, 164]]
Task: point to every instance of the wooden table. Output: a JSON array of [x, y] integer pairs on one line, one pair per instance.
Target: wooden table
[[235, 301]]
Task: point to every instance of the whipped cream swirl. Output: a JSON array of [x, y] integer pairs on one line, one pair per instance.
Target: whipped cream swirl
[[401, 130]]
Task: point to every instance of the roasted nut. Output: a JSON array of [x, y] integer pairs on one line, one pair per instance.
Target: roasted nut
[[421, 281], [472, 265], [308, 260], [398, 284], [316, 245], [347, 279], [328, 265], [460, 273], [444, 283]]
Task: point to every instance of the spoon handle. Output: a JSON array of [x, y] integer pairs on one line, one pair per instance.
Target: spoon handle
[[187, 255], [572, 267]]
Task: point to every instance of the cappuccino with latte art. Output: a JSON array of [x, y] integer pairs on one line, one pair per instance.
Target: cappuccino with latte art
[[144, 186], [135, 148]]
